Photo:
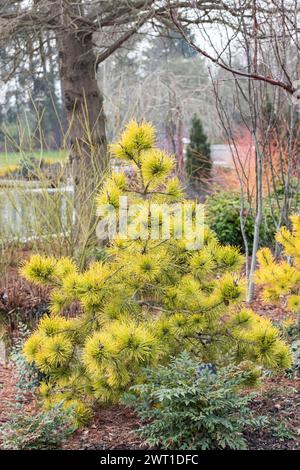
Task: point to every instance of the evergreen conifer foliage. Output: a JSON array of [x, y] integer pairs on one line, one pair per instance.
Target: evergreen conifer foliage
[[198, 155], [281, 279], [147, 300]]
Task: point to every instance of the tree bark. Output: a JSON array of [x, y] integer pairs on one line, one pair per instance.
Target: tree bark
[[86, 138]]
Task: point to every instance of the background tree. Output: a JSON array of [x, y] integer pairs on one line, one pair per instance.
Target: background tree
[[258, 46], [198, 158], [32, 97], [87, 32]]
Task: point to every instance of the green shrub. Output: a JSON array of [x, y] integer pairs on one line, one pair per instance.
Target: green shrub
[[222, 210], [39, 430], [189, 406]]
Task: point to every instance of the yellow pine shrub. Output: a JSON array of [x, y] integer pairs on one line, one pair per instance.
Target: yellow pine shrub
[[280, 280], [149, 299]]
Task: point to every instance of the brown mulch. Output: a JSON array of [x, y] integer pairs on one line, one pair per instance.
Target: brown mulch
[[111, 428], [7, 392], [279, 400], [276, 313]]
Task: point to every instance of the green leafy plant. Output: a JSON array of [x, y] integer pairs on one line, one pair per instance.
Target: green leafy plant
[[281, 430], [39, 430], [187, 405], [222, 210]]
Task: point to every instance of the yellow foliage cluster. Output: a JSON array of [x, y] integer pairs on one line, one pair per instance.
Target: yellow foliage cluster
[[147, 301], [281, 279]]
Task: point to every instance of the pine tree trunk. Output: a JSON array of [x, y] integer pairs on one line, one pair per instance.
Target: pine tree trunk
[[86, 136]]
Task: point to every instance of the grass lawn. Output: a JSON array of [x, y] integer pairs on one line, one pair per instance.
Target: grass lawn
[[11, 160]]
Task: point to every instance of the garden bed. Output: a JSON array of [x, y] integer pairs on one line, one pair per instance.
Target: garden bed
[[111, 427]]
